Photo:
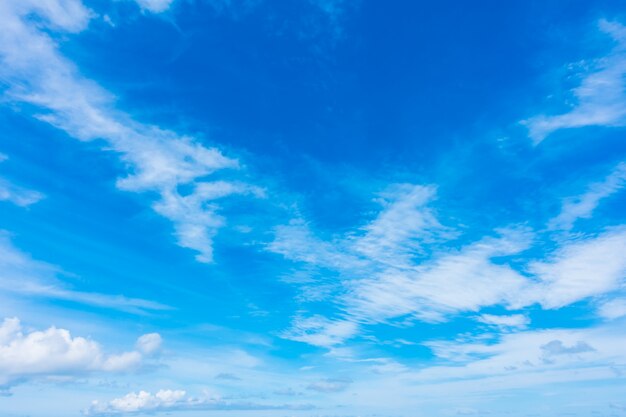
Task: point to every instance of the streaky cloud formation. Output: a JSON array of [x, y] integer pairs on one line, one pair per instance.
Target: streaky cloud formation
[[582, 206], [159, 160], [601, 96], [27, 277]]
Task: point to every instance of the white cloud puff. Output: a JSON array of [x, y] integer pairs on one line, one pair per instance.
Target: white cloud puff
[[54, 352]]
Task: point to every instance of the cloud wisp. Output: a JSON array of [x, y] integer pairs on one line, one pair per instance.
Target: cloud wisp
[[167, 400], [582, 206], [24, 276], [15, 194], [159, 161], [601, 95]]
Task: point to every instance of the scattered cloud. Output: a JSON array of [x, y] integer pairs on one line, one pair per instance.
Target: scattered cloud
[[159, 161], [26, 355], [175, 400], [582, 206], [601, 98]]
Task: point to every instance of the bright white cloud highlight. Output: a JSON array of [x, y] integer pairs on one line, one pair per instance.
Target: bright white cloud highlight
[[582, 206], [601, 99], [54, 352], [158, 160]]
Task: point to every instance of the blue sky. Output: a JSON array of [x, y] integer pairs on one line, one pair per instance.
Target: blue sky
[[312, 208]]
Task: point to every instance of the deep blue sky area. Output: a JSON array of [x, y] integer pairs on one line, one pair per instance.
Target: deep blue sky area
[[312, 208]]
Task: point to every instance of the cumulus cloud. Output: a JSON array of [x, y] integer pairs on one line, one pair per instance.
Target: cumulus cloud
[[582, 206], [158, 161], [601, 98], [175, 400], [20, 274], [54, 352]]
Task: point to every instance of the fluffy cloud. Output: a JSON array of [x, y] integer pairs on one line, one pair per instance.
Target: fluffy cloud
[[54, 353], [600, 96], [582, 206], [158, 160], [22, 275]]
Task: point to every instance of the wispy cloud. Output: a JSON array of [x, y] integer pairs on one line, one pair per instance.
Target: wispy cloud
[[15, 194], [158, 160], [600, 97], [582, 206], [22, 275], [389, 274], [56, 353], [580, 269], [176, 400], [155, 6]]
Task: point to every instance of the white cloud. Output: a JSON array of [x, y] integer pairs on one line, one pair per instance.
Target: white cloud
[[529, 356], [53, 353], [175, 400], [451, 283], [601, 99], [149, 343], [155, 6], [320, 331], [17, 195], [613, 309], [22, 275], [580, 269], [514, 321], [582, 206], [158, 160]]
